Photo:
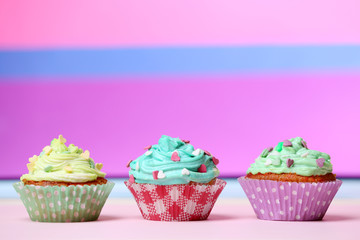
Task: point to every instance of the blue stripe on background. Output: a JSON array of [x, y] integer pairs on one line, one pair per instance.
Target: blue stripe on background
[[178, 60]]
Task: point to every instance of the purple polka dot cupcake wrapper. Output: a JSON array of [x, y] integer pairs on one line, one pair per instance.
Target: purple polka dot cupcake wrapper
[[289, 201], [63, 204]]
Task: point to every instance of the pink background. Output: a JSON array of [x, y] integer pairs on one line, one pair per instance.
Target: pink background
[[90, 23], [234, 118]]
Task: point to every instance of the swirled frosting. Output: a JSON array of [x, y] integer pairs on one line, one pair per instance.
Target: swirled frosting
[[60, 163], [292, 156], [173, 161]]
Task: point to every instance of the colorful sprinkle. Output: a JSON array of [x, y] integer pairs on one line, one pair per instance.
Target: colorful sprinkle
[[62, 139], [197, 152], [48, 168], [131, 179], [33, 159], [268, 162], [99, 166], [202, 168], [68, 169], [91, 163], [175, 156], [266, 152], [161, 174], [305, 154], [279, 146], [185, 172], [128, 164], [85, 155], [287, 143], [148, 147], [215, 160], [275, 161], [289, 162], [147, 153], [185, 141], [320, 162], [155, 175], [30, 166], [304, 144], [47, 150], [207, 153]]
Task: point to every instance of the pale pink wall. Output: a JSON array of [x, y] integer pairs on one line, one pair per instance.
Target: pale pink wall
[[234, 118], [92, 23]]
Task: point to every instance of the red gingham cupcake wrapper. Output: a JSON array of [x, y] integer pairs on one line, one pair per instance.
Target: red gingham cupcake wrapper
[[176, 202], [289, 201]]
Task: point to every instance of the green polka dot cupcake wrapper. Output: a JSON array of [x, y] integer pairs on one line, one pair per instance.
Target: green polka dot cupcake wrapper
[[289, 201], [64, 204]]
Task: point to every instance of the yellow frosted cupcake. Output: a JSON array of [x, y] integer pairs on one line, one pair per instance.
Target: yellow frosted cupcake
[[63, 185]]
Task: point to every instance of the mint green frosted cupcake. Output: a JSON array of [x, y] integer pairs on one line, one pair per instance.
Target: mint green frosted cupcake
[[63, 185], [290, 182]]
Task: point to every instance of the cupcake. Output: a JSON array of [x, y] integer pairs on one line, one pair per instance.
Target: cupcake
[[172, 181], [63, 185], [290, 182]]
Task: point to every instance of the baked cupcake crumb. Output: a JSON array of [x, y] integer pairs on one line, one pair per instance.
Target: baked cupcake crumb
[[44, 183], [292, 177]]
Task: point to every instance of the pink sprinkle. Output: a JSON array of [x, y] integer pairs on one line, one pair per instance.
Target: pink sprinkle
[[304, 144], [175, 157], [320, 162], [270, 149], [155, 175], [287, 143], [148, 147], [207, 153], [289, 162], [185, 141], [215, 160], [202, 168], [131, 179], [128, 164]]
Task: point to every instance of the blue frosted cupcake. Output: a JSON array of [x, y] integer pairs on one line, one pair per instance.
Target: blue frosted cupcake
[[172, 181]]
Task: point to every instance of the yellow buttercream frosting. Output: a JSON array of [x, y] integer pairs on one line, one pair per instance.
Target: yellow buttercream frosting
[[60, 163]]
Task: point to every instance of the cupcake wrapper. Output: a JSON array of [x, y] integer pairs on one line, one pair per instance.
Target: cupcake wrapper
[[63, 204], [289, 201], [176, 202]]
